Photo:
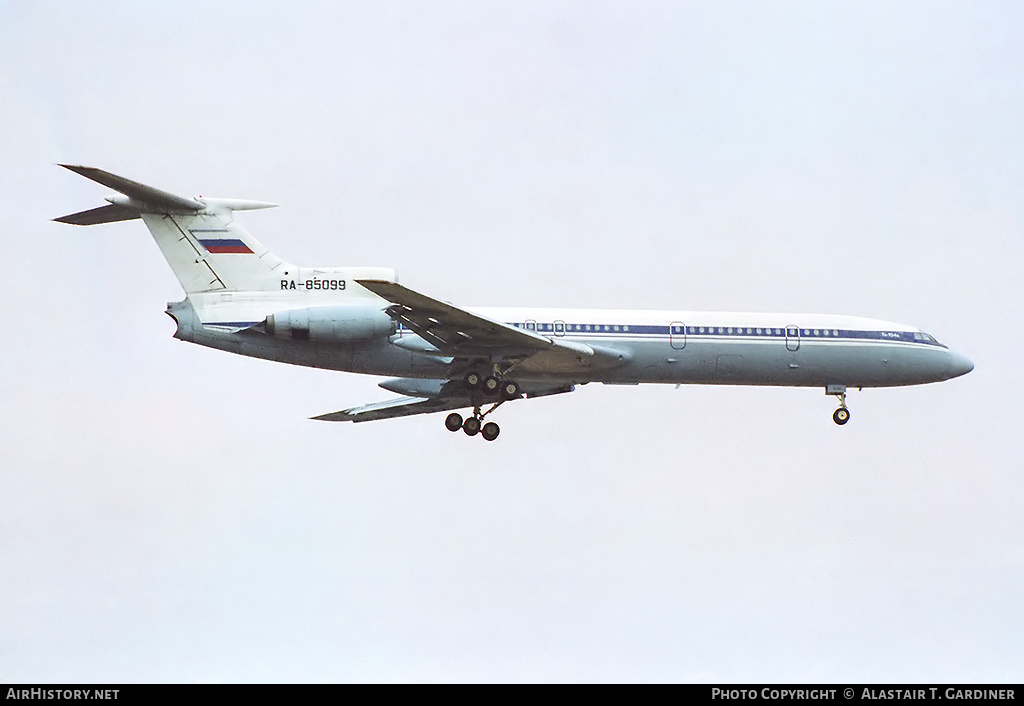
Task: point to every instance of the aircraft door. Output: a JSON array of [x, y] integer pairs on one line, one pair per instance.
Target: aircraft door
[[559, 328], [792, 338], [677, 335]]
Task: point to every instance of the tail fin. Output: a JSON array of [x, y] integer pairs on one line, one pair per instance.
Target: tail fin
[[207, 251]]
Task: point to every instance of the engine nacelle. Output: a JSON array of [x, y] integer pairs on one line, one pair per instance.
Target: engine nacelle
[[331, 324]]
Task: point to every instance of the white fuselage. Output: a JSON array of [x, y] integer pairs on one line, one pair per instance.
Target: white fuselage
[[639, 346]]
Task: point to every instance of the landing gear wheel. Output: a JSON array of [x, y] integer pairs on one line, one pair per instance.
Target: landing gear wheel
[[509, 390], [472, 379], [491, 386], [842, 415], [490, 431], [453, 422], [472, 426]]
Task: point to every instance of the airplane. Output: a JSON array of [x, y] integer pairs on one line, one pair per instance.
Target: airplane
[[240, 297]]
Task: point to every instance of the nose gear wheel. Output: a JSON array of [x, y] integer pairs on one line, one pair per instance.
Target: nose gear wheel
[[842, 415]]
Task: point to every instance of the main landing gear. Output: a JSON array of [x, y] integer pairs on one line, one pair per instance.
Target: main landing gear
[[842, 415], [492, 386], [474, 425], [485, 386]]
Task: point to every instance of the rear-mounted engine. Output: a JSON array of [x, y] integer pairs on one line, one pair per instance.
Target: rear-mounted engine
[[332, 324]]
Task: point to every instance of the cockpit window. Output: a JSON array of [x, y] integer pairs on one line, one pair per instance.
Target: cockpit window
[[927, 338]]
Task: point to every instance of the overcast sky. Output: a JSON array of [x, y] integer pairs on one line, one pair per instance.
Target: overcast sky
[[169, 513]]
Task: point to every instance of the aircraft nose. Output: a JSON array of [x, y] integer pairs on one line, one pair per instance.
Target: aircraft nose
[[959, 365]]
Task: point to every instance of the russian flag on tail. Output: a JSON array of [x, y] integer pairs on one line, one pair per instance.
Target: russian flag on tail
[[225, 245]]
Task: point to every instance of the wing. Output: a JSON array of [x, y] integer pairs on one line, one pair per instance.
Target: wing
[[397, 407], [446, 397], [451, 329], [462, 334]]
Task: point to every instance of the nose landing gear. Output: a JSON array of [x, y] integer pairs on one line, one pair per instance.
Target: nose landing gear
[[842, 415]]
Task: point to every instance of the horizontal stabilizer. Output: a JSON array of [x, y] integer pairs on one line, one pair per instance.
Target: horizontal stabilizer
[[136, 191], [103, 214]]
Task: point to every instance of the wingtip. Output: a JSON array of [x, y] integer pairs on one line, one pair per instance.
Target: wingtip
[[82, 170], [332, 417]]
